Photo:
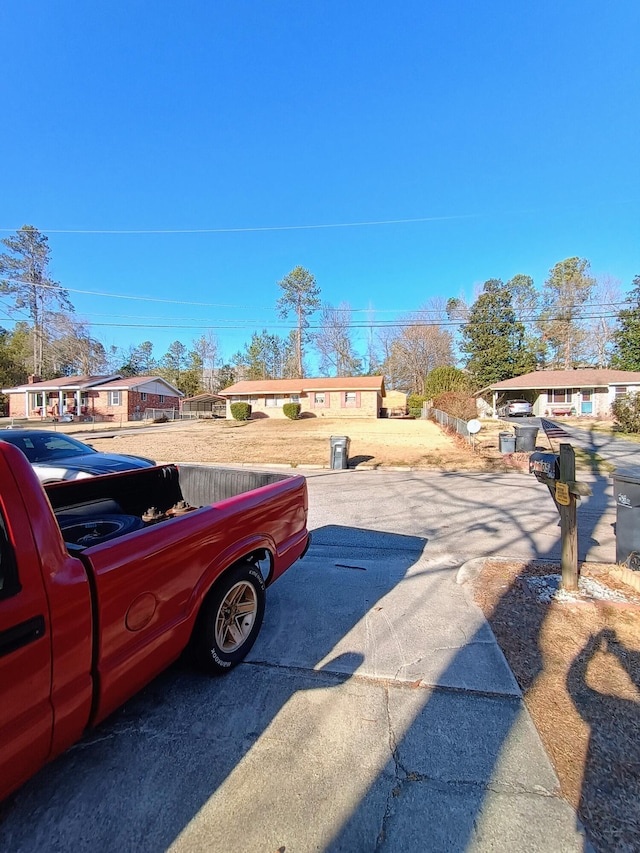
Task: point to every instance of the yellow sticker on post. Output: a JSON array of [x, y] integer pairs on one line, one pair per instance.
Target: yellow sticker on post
[[562, 494]]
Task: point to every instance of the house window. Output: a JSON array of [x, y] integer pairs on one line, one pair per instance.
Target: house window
[[270, 402], [620, 390], [160, 398], [318, 398], [559, 395], [114, 398], [295, 398], [143, 396], [350, 398]]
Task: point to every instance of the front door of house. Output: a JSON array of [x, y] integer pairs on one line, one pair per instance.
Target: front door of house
[[586, 406]]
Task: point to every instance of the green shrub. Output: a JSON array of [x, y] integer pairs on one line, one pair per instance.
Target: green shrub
[[292, 410], [457, 404], [414, 404], [240, 411], [626, 411], [443, 379]]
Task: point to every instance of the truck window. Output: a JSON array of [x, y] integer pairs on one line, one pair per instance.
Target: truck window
[[8, 575]]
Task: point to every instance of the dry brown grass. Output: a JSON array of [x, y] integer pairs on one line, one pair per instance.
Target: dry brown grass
[[578, 665], [374, 443]]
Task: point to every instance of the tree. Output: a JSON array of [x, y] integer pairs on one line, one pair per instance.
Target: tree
[[226, 376], [24, 277], [206, 347], [334, 344], [137, 361], [263, 357], [71, 349], [492, 338], [566, 290], [444, 379], [523, 297], [190, 382], [173, 363], [626, 339], [602, 322], [414, 350], [12, 370], [301, 295]]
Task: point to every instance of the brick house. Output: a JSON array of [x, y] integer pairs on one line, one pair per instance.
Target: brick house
[[587, 392], [100, 398], [335, 397]]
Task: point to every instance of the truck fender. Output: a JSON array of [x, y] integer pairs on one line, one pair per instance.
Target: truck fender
[[237, 553]]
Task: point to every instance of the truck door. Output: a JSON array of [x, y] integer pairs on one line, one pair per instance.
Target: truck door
[[26, 716]]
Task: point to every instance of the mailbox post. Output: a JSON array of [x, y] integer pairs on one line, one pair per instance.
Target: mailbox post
[[567, 507], [559, 475]]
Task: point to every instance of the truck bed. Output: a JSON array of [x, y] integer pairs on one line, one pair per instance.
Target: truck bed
[[135, 492], [149, 580]]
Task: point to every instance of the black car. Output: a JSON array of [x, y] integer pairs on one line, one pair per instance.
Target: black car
[[55, 456]]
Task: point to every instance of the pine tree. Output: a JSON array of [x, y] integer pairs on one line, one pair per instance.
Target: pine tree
[[24, 275], [493, 339], [301, 295]]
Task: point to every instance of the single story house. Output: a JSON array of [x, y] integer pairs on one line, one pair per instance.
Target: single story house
[[587, 392], [91, 397], [204, 406], [335, 397]]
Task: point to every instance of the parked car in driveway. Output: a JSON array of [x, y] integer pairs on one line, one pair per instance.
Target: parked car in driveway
[[55, 456], [514, 408]]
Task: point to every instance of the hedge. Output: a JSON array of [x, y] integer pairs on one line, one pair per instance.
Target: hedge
[[292, 410], [240, 411]]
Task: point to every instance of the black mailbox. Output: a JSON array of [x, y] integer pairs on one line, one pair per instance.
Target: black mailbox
[[545, 466]]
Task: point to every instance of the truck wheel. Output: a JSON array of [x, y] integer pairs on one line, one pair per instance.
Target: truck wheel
[[230, 619]]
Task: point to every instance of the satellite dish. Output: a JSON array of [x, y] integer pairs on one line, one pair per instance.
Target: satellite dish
[[474, 426]]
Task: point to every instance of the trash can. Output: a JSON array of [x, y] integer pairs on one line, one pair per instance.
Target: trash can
[[339, 451], [626, 493], [526, 438], [507, 442]]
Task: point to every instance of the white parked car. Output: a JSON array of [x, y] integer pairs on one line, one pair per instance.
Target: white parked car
[[55, 456], [514, 408]]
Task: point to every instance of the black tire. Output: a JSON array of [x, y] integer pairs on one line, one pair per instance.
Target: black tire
[[230, 619], [92, 531]]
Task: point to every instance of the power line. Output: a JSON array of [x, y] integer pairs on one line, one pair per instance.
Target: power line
[[259, 228], [412, 311]]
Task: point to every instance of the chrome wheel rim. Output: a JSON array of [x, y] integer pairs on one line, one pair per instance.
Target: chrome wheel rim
[[236, 616]]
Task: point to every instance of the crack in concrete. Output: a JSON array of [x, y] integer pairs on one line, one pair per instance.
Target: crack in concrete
[[396, 784], [384, 681]]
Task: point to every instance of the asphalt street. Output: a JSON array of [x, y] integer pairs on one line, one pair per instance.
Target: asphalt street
[[375, 712]]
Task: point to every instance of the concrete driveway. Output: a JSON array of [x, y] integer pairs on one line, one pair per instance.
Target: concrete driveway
[[375, 712]]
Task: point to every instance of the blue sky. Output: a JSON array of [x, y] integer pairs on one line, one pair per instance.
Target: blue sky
[[508, 130]]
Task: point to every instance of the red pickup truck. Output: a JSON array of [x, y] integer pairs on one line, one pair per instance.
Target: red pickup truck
[[105, 581]]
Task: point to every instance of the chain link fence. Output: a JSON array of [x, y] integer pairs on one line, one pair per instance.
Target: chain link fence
[[154, 414], [449, 421]]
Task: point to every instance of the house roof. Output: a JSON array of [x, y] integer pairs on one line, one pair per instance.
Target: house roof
[[62, 383], [113, 382], [202, 398], [131, 382], [588, 377], [300, 386]]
